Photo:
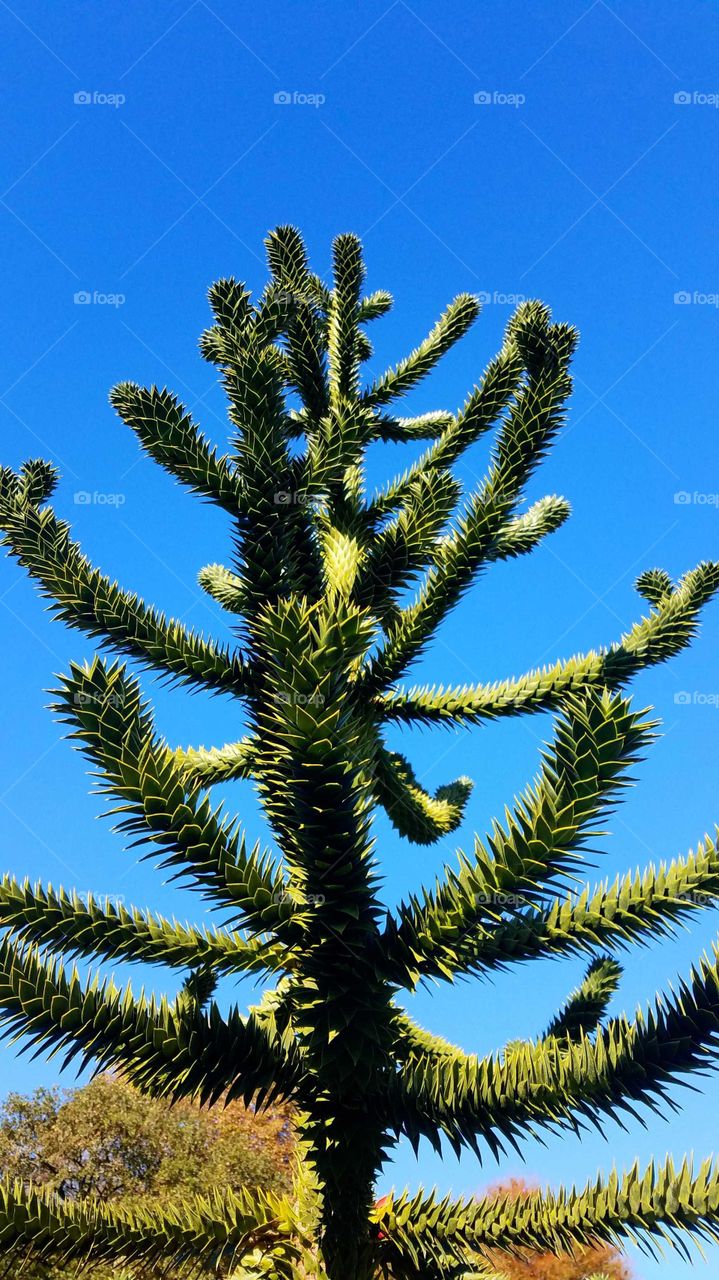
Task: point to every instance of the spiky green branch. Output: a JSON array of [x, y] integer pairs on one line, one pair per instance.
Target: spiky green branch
[[317, 587]]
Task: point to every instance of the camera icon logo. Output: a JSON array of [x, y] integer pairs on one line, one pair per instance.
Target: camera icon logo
[[682, 498], [82, 298], [482, 98], [484, 297], [282, 498], [82, 98], [683, 698], [283, 98], [682, 297], [682, 98], [82, 498]]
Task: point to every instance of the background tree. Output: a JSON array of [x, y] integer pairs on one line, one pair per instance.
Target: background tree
[[108, 1141], [596, 1262], [318, 589]]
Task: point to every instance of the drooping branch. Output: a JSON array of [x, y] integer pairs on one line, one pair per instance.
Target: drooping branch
[[95, 928], [560, 1083], [156, 801], [413, 812], [84, 598], [175, 1051]]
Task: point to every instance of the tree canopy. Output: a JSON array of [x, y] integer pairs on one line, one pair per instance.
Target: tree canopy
[[108, 1141]]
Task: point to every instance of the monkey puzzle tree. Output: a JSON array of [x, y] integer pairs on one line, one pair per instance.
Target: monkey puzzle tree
[[319, 593]]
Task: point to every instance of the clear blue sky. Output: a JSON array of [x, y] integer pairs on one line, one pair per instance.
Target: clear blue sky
[[582, 181]]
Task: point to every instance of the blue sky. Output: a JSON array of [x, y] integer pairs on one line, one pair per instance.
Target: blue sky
[[584, 175]]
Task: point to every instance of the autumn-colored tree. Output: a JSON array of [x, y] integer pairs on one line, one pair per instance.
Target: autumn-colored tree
[[598, 1262]]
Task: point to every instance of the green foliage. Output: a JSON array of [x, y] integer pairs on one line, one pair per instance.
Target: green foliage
[[110, 1141], [335, 592], [660, 1203], [594, 1261], [586, 1006], [106, 1143], [170, 437]]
